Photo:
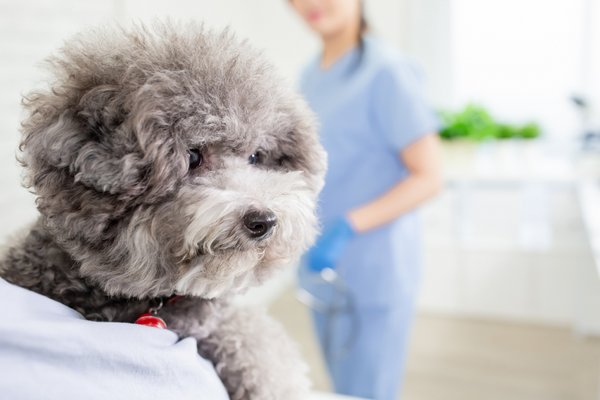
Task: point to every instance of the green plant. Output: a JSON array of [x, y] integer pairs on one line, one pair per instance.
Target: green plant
[[505, 131], [530, 131], [475, 122]]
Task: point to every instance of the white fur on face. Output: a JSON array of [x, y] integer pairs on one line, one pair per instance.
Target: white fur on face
[[223, 257]]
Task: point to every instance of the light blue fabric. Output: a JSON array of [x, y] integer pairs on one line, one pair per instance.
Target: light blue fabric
[[374, 366], [48, 351], [370, 107]]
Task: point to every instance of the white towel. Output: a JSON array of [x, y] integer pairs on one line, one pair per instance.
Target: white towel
[[49, 351]]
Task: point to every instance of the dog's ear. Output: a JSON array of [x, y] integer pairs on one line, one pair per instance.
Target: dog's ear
[[109, 159], [102, 145]]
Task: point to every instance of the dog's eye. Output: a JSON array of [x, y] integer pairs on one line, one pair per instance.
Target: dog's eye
[[195, 158], [253, 159]]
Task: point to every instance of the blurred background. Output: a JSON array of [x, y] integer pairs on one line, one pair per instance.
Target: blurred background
[[510, 301]]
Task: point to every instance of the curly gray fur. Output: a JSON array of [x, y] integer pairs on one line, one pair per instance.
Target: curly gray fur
[[124, 220]]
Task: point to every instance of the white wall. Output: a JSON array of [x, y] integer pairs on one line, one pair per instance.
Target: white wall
[[429, 39], [521, 58], [590, 79]]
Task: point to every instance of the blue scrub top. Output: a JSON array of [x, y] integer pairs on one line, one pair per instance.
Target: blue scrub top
[[370, 108]]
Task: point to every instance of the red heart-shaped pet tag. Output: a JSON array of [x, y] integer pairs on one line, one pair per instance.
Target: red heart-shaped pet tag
[[150, 320]]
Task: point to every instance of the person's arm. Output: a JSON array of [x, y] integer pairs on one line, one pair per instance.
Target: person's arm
[[424, 180]]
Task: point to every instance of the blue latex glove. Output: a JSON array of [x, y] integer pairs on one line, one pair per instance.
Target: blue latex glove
[[330, 245]]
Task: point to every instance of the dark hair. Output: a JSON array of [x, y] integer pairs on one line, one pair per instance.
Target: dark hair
[[363, 22], [362, 28]]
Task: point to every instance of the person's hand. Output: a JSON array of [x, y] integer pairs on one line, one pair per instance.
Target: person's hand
[[330, 245]]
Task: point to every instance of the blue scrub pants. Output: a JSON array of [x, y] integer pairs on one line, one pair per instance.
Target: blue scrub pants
[[374, 366]]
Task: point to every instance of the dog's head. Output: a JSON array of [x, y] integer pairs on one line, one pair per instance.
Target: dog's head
[[172, 159]]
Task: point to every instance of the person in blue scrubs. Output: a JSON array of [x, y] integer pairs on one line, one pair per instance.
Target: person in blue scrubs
[[380, 135]]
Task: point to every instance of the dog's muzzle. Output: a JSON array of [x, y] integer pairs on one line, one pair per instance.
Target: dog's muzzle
[[259, 224]]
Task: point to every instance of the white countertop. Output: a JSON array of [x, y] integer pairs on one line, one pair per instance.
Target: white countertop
[[517, 161]]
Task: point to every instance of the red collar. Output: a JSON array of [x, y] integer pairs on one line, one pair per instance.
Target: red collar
[[150, 318]]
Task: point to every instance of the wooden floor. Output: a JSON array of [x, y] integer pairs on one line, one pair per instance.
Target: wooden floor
[[464, 359]]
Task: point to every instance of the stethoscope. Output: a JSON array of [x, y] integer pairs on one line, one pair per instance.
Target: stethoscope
[[342, 303]]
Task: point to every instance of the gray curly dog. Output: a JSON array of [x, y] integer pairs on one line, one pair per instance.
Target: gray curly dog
[[171, 160]]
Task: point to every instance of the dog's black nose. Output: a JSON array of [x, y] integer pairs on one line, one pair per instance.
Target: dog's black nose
[[259, 223]]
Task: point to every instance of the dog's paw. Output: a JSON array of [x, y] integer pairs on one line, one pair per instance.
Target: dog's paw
[[256, 359]]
